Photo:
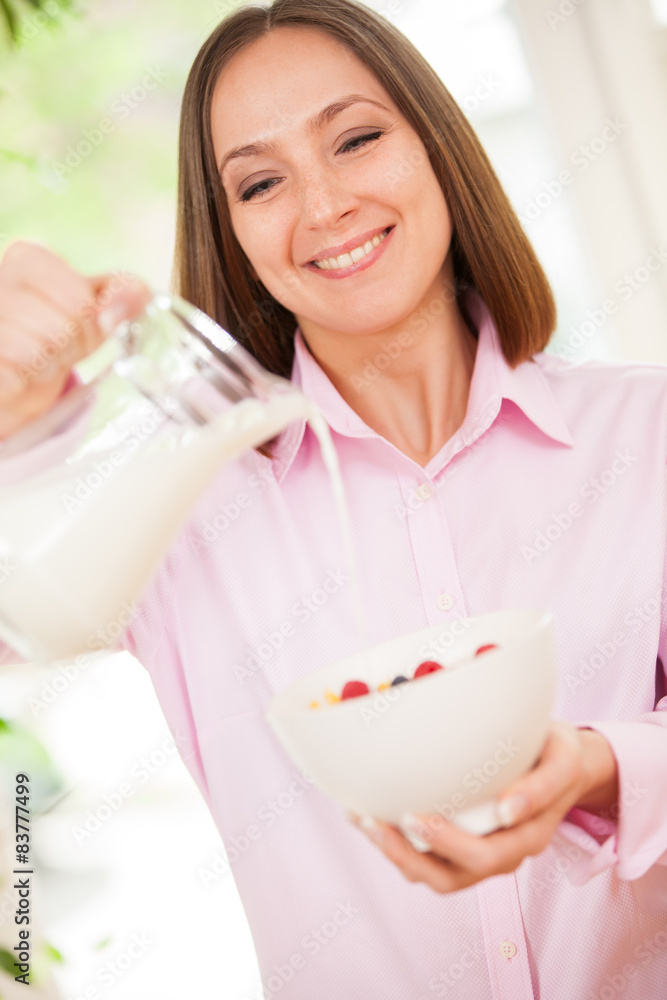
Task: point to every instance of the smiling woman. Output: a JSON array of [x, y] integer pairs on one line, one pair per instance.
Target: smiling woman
[[374, 144], [338, 215]]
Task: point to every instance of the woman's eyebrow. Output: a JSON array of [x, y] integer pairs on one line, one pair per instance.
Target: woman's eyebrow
[[313, 125]]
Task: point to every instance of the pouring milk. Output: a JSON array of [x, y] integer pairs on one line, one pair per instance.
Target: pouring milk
[[71, 576]]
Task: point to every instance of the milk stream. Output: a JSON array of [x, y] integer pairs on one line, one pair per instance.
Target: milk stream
[[330, 459], [70, 578]]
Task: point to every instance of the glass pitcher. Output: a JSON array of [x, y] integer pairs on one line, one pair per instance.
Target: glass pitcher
[[169, 398]]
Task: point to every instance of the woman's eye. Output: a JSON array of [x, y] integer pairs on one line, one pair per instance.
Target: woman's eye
[[361, 140], [257, 189]]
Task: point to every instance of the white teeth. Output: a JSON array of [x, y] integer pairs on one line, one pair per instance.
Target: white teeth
[[347, 259]]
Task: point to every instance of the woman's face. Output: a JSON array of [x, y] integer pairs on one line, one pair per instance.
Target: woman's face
[[324, 188]]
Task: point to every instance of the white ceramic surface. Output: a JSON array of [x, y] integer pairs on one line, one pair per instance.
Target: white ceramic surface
[[446, 743]]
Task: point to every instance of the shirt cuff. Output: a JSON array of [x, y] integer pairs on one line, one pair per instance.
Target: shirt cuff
[[634, 837]]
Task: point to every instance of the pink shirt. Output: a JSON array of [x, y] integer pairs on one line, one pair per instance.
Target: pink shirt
[[552, 494]]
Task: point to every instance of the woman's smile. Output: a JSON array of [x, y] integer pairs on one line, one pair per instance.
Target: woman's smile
[[360, 257]]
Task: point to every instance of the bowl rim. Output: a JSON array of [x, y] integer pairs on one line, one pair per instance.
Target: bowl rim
[[544, 619]]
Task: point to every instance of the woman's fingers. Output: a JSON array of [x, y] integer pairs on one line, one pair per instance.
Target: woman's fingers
[[558, 772], [11, 384], [117, 298], [441, 875], [457, 859], [34, 335], [37, 270], [51, 317], [500, 851]]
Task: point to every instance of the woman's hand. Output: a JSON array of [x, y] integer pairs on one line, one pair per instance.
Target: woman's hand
[[576, 768], [51, 317]]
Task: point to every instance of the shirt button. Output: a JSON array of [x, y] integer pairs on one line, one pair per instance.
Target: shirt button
[[507, 949], [424, 491], [445, 602]]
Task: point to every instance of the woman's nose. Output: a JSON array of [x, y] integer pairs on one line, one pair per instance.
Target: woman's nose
[[325, 196]]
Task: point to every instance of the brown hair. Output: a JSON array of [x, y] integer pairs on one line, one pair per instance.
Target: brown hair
[[490, 251]]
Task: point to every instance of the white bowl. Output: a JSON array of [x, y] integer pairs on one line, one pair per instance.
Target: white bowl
[[447, 743]]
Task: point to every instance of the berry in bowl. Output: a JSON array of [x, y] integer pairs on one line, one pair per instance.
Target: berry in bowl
[[356, 689], [437, 721]]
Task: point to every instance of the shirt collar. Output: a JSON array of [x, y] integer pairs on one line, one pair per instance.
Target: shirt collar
[[492, 381]]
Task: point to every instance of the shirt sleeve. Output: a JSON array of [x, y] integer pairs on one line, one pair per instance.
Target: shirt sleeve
[[633, 838]]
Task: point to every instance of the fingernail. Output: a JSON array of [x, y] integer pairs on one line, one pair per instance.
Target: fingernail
[[110, 318], [511, 809], [416, 832], [372, 829], [415, 825]]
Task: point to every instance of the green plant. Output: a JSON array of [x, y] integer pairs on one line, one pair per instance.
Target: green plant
[[15, 12], [45, 956]]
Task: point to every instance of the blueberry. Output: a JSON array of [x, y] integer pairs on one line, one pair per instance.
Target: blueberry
[[399, 680]]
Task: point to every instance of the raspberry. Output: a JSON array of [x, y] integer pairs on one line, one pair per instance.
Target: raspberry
[[427, 667], [483, 649], [354, 689]]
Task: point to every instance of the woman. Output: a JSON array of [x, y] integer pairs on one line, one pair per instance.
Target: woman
[[310, 131]]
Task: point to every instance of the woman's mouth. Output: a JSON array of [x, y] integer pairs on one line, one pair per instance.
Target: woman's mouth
[[355, 260]]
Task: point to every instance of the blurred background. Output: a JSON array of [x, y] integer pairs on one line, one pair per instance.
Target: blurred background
[[569, 97]]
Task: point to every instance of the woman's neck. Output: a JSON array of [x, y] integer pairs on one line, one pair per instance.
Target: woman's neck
[[417, 396]]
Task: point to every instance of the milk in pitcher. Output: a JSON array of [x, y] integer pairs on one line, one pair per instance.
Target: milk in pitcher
[[72, 577]]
